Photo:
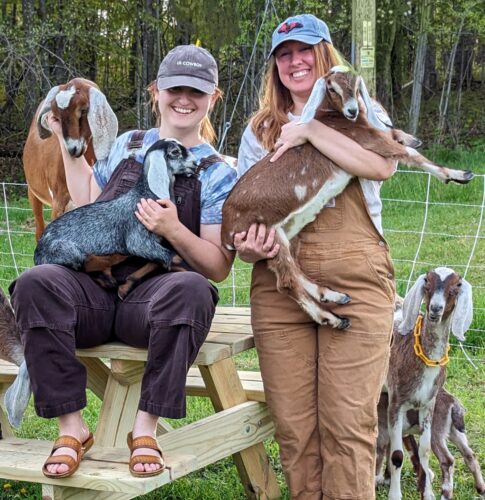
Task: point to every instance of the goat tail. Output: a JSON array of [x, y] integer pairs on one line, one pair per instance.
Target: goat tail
[[17, 396]]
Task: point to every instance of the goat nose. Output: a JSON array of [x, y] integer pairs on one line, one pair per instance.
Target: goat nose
[[352, 111], [436, 309]]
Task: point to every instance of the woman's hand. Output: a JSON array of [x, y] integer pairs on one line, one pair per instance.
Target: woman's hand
[[293, 134], [159, 217], [256, 244], [54, 124]]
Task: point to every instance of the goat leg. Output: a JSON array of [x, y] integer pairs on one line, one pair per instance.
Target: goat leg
[[134, 278], [425, 419], [101, 265], [444, 174], [309, 295], [459, 439], [37, 209]]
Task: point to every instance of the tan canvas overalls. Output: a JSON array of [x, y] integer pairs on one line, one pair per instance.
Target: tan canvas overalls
[[322, 385]]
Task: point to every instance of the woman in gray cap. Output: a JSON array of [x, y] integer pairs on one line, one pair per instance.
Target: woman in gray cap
[[72, 310], [321, 384]]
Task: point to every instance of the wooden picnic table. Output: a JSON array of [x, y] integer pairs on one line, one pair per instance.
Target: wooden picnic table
[[238, 427]]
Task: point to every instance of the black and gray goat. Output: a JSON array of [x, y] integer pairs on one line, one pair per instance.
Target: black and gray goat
[[448, 424], [96, 236], [417, 367]]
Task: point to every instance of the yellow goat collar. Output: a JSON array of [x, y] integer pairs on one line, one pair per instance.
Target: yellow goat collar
[[418, 349]]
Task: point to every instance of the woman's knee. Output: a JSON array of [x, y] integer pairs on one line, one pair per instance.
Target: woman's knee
[[35, 282], [188, 295]]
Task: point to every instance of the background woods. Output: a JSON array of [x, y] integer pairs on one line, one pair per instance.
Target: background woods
[[430, 59]]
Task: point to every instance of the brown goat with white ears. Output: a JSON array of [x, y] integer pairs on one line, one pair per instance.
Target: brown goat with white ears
[[295, 188], [417, 367], [89, 128]]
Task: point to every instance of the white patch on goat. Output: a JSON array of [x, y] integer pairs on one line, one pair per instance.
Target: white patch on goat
[[411, 151], [314, 183], [295, 221], [426, 388], [351, 104], [300, 192], [303, 170], [337, 89], [63, 98], [238, 214], [75, 147], [444, 272]]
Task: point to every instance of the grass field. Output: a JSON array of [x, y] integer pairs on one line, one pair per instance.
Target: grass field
[[445, 223]]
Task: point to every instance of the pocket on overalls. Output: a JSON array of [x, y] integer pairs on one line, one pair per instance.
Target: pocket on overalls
[[330, 218], [382, 268]]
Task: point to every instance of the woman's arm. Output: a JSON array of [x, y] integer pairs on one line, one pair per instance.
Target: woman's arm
[[205, 254], [80, 180], [345, 152]]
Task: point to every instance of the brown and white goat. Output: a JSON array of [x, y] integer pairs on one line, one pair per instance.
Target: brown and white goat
[[289, 193], [417, 367], [448, 424], [89, 128]]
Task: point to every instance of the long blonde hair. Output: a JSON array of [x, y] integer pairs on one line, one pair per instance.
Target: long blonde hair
[[276, 100], [207, 131]]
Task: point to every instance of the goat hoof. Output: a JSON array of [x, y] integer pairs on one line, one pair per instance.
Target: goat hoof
[[465, 177], [343, 324], [345, 299]]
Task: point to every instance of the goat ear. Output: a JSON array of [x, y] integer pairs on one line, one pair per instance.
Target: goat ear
[[42, 126], [411, 306], [157, 176], [102, 122], [314, 101], [463, 313], [372, 117]]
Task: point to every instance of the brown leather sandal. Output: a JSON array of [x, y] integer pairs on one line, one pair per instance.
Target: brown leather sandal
[[73, 464], [144, 442]]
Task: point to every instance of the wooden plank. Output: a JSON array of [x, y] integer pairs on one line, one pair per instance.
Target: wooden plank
[[101, 469], [54, 492], [6, 428], [98, 374], [219, 435], [8, 371], [243, 311], [231, 328], [232, 318]]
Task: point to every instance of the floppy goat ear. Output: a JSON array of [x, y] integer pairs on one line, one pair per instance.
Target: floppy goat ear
[[102, 122], [463, 313], [157, 177], [411, 306], [372, 117], [314, 101], [42, 126]]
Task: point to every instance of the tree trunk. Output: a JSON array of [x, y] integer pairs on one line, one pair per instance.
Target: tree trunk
[[419, 67]]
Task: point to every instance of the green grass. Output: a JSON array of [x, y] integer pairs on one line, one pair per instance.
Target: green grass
[[454, 227]]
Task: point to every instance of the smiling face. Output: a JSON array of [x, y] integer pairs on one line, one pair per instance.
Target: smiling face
[[183, 108], [296, 68]]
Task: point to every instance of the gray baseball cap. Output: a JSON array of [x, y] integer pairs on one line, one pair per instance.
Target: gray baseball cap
[[188, 66], [304, 28]]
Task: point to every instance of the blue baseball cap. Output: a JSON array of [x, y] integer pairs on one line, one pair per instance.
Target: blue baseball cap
[[304, 28]]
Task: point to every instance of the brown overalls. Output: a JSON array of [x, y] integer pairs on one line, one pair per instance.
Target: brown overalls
[[58, 310], [322, 385]]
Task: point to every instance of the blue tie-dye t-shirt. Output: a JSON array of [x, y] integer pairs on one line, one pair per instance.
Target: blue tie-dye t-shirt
[[216, 181]]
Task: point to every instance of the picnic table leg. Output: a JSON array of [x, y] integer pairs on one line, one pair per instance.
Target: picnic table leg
[[52, 492], [225, 390], [5, 426]]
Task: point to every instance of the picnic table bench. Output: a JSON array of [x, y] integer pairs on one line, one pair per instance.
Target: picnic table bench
[[239, 426]]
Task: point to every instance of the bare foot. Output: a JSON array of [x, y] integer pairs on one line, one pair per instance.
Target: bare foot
[[73, 425], [145, 425]]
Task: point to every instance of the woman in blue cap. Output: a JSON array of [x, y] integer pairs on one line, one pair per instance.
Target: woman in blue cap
[[321, 384]]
